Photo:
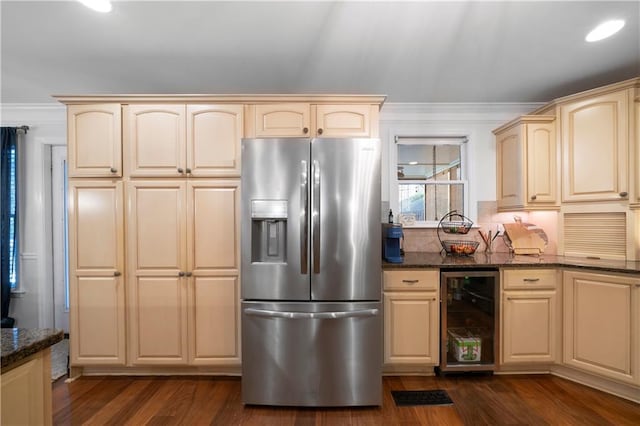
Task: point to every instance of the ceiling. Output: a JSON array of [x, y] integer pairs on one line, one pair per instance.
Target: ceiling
[[411, 51]]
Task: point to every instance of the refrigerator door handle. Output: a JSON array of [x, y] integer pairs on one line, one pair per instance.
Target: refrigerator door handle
[[311, 315], [315, 213], [304, 230]]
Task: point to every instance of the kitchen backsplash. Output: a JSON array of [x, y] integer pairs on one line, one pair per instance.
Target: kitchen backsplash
[[426, 239]]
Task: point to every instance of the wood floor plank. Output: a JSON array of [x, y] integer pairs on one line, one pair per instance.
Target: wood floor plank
[[187, 400]]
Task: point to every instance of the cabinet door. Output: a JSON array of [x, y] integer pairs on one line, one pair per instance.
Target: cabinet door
[[282, 120], [595, 148], [214, 133], [94, 140], [156, 242], [411, 325], [344, 120], [96, 264], [213, 258], [542, 163], [601, 324], [529, 326], [510, 168], [155, 139], [214, 320], [636, 167]]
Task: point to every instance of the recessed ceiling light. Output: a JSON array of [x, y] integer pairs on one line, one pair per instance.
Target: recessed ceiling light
[[103, 6], [604, 30]]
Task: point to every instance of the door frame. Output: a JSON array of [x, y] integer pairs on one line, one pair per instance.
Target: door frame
[[59, 237]]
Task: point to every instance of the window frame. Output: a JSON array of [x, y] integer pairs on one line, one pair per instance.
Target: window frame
[[457, 139]]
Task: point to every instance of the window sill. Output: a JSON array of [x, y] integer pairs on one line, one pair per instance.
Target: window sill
[[17, 294]]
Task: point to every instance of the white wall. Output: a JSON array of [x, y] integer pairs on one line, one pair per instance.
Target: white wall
[[33, 307], [474, 120]]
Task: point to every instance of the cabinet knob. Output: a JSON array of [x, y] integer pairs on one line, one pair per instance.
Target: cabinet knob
[[188, 170], [181, 274], [305, 130], [180, 170], [319, 131], [189, 274], [113, 170], [117, 273], [533, 197], [624, 194]]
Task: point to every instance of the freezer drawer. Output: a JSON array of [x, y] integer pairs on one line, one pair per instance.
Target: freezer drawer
[[312, 354]]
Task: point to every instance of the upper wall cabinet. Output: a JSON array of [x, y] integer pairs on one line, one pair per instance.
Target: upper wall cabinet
[[306, 120], [178, 140], [635, 200], [94, 140], [595, 147], [527, 164]]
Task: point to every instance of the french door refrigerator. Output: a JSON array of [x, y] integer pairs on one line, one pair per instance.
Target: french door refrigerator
[[311, 272]]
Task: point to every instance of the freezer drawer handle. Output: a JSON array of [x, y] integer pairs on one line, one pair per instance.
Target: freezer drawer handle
[[311, 315]]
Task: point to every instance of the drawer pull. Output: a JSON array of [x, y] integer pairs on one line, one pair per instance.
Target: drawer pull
[[531, 280], [410, 281]]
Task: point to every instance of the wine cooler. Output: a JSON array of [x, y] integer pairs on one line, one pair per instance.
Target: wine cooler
[[469, 320]]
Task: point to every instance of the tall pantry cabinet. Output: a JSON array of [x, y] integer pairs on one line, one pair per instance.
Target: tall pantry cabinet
[[173, 203]]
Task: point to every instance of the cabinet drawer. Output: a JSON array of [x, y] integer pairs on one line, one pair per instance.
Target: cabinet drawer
[[427, 279], [529, 278]]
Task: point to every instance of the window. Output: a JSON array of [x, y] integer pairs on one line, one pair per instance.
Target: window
[[13, 219], [9, 211], [431, 177]]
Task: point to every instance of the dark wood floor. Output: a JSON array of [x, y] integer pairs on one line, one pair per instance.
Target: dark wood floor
[[490, 400]]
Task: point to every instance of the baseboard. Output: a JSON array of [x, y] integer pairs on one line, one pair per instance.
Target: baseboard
[[161, 371], [626, 391]]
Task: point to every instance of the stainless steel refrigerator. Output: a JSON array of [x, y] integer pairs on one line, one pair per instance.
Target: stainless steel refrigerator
[[311, 272]]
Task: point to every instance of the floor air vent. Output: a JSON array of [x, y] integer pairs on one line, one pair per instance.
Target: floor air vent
[[413, 397]]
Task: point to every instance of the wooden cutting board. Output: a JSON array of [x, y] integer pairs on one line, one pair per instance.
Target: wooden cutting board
[[523, 240]]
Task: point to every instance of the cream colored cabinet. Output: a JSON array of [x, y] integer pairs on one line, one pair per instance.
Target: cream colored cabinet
[[177, 140], [411, 317], [346, 120], [636, 149], [527, 161], [183, 269], [306, 120], [157, 290], [595, 147], [529, 317], [94, 140], [26, 392], [213, 256], [602, 324], [282, 120], [96, 264]]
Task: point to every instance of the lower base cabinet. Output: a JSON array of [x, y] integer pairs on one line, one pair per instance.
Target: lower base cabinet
[[602, 324], [411, 317], [26, 392], [530, 316]]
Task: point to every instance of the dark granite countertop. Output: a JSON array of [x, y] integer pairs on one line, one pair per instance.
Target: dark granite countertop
[[504, 260], [19, 343]]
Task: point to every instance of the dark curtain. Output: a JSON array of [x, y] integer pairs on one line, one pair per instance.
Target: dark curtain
[[6, 268]]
